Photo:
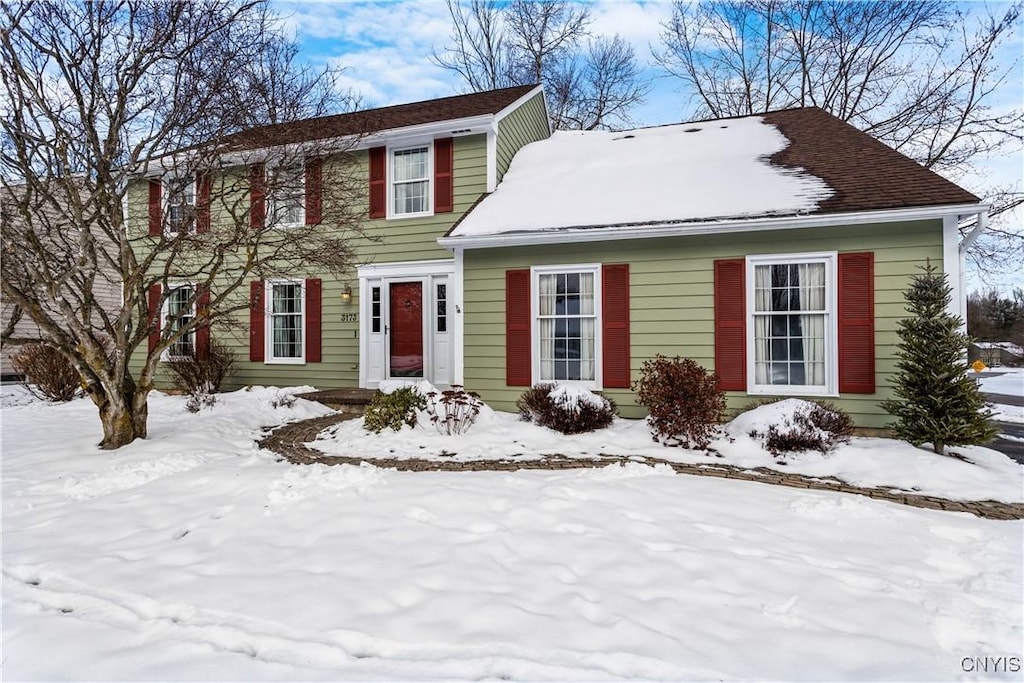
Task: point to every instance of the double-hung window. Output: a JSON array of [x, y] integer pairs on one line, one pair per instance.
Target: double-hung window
[[792, 338], [410, 181], [287, 196], [567, 322], [287, 321], [179, 312], [181, 203]]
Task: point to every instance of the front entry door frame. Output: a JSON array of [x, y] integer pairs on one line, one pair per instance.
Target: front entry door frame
[[375, 283]]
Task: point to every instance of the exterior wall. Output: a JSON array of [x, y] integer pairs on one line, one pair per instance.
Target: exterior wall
[[384, 241], [671, 303], [106, 291], [526, 124]]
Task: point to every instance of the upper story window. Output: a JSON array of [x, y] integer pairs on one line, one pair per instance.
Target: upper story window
[[287, 321], [566, 324], [793, 329], [179, 312], [287, 196], [410, 181], [180, 199]]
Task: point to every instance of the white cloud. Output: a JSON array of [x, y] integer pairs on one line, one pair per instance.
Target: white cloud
[[639, 23]]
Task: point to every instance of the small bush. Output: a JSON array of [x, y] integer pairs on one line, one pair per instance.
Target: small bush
[[201, 379], [393, 410], [565, 409], [453, 411], [282, 400], [683, 400], [48, 373], [814, 427]]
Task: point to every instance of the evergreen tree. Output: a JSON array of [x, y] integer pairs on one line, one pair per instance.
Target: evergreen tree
[[937, 401]]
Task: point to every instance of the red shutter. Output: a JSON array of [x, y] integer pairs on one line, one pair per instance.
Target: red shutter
[[256, 321], [857, 323], [203, 187], [444, 163], [153, 321], [314, 190], [257, 197], [518, 371], [202, 314], [378, 182], [730, 324], [313, 317], [155, 218], [615, 326]]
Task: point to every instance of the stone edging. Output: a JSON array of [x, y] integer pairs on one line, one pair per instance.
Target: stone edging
[[291, 442]]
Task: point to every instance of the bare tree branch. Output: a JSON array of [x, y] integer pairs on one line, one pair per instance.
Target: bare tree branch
[[96, 97], [590, 82]]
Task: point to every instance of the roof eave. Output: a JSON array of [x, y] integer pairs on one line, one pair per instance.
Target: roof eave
[[675, 229]]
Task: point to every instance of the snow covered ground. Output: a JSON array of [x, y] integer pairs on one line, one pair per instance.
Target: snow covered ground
[[1008, 382], [195, 556]]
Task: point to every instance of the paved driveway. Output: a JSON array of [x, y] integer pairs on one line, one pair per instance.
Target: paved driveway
[[1011, 439]]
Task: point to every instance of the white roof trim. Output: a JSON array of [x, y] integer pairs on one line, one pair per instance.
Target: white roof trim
[[624, 232], [518, 103]]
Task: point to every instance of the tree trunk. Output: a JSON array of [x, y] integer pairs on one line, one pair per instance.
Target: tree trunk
[[124, 413]]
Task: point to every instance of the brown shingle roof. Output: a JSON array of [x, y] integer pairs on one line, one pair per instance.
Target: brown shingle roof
[[384, 118], [864, 173]]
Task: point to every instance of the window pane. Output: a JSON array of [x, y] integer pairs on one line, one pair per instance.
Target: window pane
[[286, 320], [410, 164], [567, 326], [411, 197]]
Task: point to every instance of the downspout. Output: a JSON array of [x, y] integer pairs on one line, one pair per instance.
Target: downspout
[[980, 225]]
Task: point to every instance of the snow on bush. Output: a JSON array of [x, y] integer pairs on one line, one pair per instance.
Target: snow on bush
[[565, 408], [794, 426]]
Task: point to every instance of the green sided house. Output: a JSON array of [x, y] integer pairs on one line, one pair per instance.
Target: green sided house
[[418, 168], [774, 249]]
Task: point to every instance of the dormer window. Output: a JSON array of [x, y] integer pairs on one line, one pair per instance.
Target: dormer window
[[410, 181]]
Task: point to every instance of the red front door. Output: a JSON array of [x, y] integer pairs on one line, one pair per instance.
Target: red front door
[[406, 332]]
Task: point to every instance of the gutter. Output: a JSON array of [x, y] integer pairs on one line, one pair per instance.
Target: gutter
[[677, 229], [980, 225]]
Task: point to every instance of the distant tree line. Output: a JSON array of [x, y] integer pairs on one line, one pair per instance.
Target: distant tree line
[[992, 316]]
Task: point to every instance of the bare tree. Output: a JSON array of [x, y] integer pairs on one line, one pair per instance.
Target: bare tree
[[98, 99], [920, 75], [590, 82], [917, 74]]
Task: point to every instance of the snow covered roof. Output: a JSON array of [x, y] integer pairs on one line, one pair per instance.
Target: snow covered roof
[[794, 162], [1009, 347]]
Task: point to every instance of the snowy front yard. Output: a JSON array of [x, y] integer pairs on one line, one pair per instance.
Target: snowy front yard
[[196, 556]]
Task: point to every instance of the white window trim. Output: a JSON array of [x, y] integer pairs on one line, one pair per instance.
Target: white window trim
[[165, 201], [535, 273], [268, 327], [390, 180], [166, 355], [831, 387], [270, 210]]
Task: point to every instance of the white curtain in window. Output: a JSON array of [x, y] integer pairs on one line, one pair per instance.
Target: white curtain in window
[[587, 326], [812, 298], [762, 302], [548, 290]]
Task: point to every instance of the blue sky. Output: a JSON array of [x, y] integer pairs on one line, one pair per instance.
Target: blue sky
[[385, 48]]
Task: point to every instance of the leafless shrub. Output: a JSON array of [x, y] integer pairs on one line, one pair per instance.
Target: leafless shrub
[[48, 373]]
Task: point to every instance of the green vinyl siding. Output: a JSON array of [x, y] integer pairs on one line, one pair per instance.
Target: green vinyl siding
[[672, 302], [383, 241], [528, 123]]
